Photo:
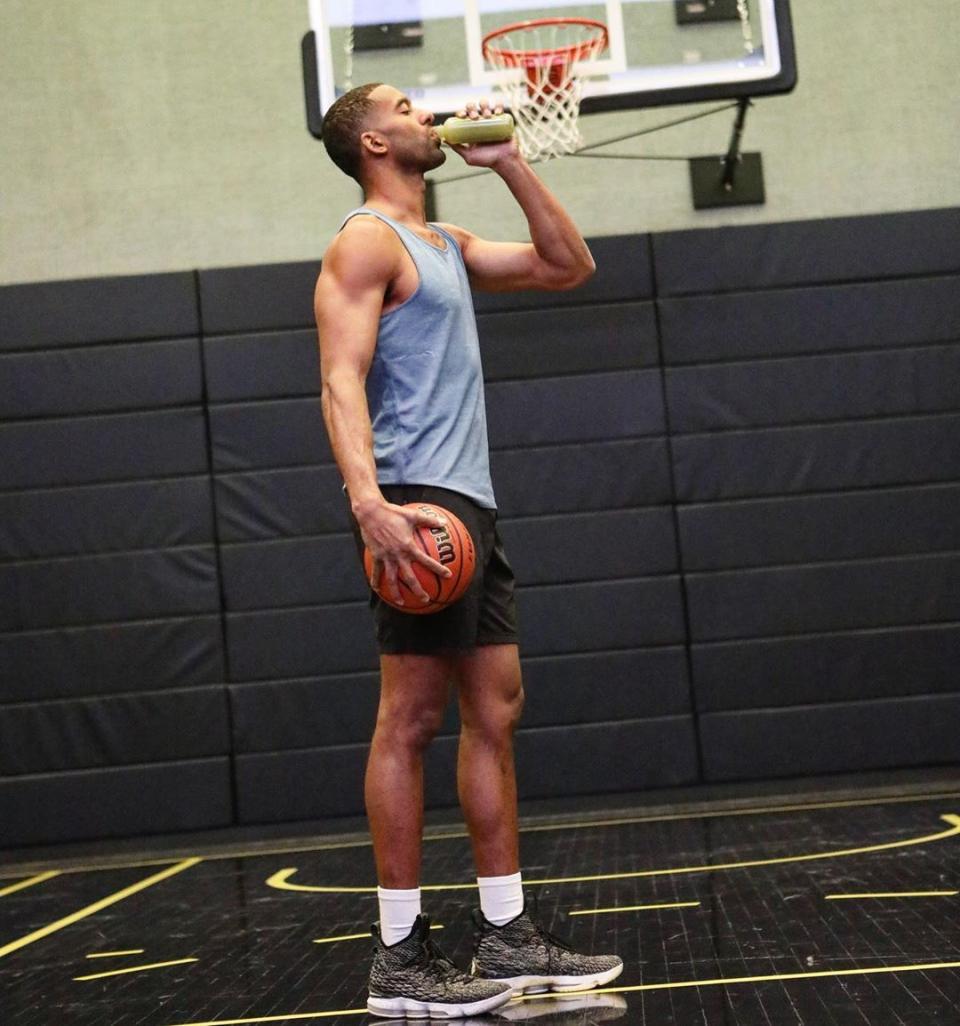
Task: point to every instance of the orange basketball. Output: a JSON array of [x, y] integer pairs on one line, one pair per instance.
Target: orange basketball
[[450, 545]]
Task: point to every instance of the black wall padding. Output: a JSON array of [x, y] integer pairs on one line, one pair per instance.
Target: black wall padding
[[808, 252], [45, 315], [269, 434], [260, 298], [873, 315], [627, 755], [318, 711], [728, 479], [105, 518], [158, 798], [293, 642], [601, 615], [281, 503], [98, 378], [832, 738], [909, 450], [825, 596], [576, 340], [80, 450], [797, 529], [111, 655], [632, 684], [838, 667], [113, 730], [269, 575], [609, 544], [580, 408], [98, 589], [278, 363], [570, 478], [39, 665], [814, 388]]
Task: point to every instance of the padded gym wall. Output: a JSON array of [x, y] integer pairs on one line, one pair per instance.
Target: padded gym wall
[[113, 715], [785, 524], [813, 388]]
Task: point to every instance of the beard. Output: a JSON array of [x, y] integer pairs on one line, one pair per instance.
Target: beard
[[422, 158]]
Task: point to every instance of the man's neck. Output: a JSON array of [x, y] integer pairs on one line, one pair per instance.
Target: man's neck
[[399, 196]]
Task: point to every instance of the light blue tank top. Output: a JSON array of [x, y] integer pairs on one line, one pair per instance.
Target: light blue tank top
[[425, 384]]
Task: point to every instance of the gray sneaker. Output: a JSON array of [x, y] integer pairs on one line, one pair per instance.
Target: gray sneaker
[[523, 954], [414, 978]]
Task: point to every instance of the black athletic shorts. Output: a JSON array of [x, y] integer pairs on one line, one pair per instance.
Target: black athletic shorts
[[484, 615]]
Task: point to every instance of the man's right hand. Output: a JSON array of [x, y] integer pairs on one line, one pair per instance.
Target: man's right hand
[[388, 531]]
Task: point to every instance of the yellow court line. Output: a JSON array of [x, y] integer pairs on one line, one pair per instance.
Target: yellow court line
[[633, 908], [893, 894], [252, 853], [109, 954], [39, 878], [135, 969], [783, 977], [361, 936], [280, 879], [97, 906]]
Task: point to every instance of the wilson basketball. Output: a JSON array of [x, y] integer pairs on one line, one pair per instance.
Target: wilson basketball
[[451, 546]]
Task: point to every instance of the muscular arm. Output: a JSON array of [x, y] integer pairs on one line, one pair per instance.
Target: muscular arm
[[557, 256], [357, 269]]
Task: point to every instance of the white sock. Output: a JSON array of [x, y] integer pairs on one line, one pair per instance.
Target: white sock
[[398, 910], [501, 898]]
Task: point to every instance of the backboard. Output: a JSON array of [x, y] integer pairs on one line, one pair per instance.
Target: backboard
[[661, 51]]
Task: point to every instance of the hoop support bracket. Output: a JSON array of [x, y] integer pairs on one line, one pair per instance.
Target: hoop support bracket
[[735, 179]]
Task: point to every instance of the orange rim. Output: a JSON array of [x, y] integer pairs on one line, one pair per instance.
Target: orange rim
[[566, 54]]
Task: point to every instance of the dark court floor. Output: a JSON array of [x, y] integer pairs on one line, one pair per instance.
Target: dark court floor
[[824, 910]]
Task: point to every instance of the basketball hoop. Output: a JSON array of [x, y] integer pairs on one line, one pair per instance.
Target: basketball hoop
[[554, 54]]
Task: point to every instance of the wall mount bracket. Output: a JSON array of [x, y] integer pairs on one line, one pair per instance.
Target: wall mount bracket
[[735, 179]]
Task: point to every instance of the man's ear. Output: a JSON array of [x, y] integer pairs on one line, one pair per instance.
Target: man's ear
[[373, 142]]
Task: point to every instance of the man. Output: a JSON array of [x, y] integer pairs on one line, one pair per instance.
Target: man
[[403, 405]]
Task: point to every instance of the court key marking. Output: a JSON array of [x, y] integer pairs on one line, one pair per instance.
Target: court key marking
[[103, 903], [280, 879], [135, 969], [111, 954], [633, 908], [891, 894], [23, 884]]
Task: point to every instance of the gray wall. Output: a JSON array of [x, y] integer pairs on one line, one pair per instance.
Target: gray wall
[[729, 479], [163, 134]]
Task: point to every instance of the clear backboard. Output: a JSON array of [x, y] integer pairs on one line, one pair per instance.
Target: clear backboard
[[660, 51]]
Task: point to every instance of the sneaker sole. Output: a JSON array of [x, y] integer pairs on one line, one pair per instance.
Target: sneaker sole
[[559, 984], [412, 1009]]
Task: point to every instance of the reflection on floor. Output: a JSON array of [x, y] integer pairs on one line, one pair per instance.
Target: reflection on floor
[[818, 914]]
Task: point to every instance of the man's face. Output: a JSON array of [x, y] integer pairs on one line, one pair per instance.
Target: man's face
[[408, 131]]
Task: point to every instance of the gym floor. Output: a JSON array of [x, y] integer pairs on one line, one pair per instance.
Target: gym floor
[[838, 908]]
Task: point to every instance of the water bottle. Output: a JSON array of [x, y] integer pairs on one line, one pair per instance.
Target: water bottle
[[468, 131]]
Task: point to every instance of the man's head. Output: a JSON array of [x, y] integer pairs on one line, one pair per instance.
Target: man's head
[[376, 123]]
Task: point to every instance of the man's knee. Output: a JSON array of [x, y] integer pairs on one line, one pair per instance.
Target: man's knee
[[494, 714], [411, 726]]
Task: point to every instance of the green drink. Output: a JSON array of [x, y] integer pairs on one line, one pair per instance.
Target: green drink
[[468, 131]]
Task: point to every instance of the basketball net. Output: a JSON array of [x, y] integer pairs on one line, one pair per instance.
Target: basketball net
[[552, 55]]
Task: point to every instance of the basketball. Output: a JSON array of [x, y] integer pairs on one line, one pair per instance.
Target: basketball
[[450, 545]]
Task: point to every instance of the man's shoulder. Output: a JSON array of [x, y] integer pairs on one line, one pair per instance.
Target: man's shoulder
[[364, 229], [364, 243]]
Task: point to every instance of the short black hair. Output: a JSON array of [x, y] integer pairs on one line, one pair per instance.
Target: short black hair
[[342, 126]]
